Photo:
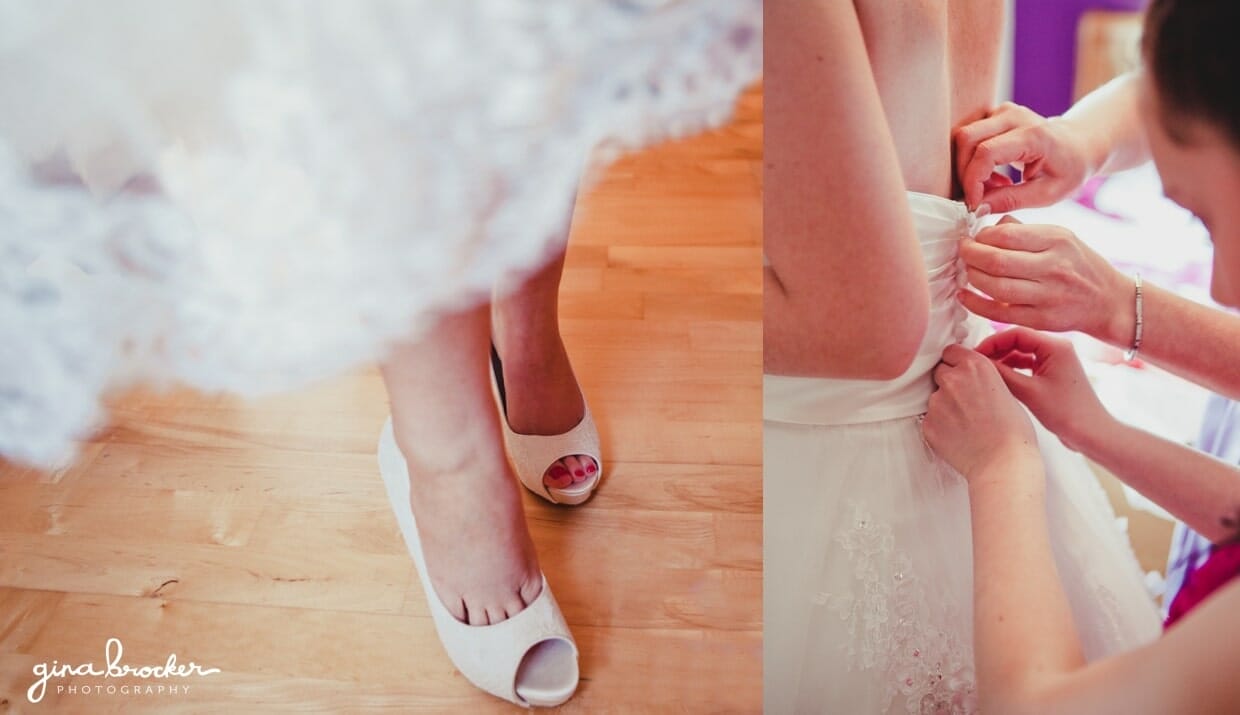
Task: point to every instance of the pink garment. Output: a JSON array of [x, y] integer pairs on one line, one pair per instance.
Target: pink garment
[[1219, 569]]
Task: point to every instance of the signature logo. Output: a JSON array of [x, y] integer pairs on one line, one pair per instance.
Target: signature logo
[[113, 668]]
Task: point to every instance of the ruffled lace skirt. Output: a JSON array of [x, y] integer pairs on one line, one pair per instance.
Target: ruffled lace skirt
[[248, 195]]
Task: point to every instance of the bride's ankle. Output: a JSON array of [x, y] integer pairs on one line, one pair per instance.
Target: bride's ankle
[[527, 341], [452, 457]]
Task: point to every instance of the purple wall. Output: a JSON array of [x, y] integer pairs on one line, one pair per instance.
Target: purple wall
[[1044, 50]]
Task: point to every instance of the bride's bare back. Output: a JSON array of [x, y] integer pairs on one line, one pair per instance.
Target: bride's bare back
[[935, 63], [861, 101]]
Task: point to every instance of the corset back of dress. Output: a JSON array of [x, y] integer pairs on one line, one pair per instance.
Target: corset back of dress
[[940, 224]]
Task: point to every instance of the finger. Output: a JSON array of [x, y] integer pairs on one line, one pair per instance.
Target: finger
[[1018, 339], [1019, 361], [955, 354], [1030, 193], [996, 345], [967, 138], [999, 312], [1014, 291], [1016, 236], [1018, 145], [999, 261], [998, 120], [997, 180], [989, 349], [1020, 385]]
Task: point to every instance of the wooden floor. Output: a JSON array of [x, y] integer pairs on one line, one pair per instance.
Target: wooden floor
[[256, 537]]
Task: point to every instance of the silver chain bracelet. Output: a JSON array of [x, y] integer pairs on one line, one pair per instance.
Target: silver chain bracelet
[[1136, 338]]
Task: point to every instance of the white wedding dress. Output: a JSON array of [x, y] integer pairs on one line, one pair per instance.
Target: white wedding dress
[[249, 195], [867, 544]]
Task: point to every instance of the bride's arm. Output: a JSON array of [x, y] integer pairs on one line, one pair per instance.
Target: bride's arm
[[845, 294]]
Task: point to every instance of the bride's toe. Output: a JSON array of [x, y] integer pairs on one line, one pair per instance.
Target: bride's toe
[[530, 590], [558, 476], [584, 469]]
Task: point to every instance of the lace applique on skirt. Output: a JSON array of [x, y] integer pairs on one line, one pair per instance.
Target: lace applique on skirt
[[893, 624]]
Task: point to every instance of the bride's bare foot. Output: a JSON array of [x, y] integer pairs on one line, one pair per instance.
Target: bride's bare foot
[[542, 395], [478, 551], [464, 497]]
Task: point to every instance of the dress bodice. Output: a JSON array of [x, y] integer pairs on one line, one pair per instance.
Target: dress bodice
[[940, 225]]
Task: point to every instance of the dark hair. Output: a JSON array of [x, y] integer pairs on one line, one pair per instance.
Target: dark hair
[[1193, 55]]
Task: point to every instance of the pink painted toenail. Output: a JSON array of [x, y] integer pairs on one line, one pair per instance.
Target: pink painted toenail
[[590, 469], [557, 471], [579, 472]]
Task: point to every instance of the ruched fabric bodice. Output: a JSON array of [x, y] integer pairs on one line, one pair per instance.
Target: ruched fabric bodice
[[940, 224]]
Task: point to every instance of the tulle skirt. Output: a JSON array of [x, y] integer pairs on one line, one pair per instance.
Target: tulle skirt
[[868, 569], [248, 195]]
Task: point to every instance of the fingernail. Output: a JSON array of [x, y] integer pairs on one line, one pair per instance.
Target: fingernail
[[982, 210]]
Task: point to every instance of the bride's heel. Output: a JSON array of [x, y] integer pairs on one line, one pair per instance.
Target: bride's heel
[[529, 659], [532, 454]]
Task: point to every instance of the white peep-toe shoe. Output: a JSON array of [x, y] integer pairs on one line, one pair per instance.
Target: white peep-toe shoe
[[529, 659], [532, 454]]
